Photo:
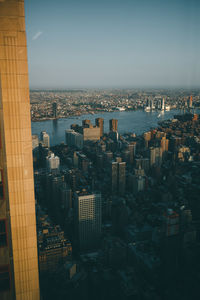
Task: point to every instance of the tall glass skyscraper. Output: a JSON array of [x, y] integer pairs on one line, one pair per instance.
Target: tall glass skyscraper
[[18, 244]]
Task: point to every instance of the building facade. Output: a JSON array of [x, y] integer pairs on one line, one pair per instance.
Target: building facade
[[88, 220], [54, 108], [113, 124], [52, 162], [91, 134], [74, 138], [45, 139], [100, 123], [18, 243]]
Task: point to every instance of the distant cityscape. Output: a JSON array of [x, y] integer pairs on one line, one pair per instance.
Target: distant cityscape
[[120, 213], [99, 188], [46, 105]]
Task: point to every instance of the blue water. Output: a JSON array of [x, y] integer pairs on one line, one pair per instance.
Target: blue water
[[131, 121]]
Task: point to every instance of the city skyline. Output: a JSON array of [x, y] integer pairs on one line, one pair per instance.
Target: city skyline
[[113, 44], [113, 211]]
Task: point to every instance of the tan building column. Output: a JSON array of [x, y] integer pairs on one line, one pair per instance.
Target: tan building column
[[18, 254]]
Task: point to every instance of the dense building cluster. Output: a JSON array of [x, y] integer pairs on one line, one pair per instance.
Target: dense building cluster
[[52, 245], [62, 104], [129, 204]]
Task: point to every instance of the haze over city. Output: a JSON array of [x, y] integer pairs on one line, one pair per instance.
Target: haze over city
[[74, 44]]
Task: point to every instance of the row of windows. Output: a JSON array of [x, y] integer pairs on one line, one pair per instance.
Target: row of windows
[[3, 234], [4, 270]]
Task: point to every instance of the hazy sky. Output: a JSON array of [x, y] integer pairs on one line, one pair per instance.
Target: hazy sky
[[113, 43]]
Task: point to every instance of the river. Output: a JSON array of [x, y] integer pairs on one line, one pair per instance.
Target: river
[[128, 121]]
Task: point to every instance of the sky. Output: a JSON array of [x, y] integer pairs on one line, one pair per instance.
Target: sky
[[113, 43]]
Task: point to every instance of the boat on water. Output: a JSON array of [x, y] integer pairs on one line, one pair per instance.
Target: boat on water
[[167, 108], [161, 113], [148, 108], [121, 108]]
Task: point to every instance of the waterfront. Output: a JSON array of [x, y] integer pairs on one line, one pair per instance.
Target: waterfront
[[131, 121]]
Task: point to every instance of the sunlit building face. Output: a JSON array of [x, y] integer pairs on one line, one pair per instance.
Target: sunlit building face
[[18, 244]]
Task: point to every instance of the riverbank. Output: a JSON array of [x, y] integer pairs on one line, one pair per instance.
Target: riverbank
[[94, 113], [128, 121]]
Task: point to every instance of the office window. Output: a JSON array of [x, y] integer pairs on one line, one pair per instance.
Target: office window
[[4, 278], [3, 235], [1, 185]]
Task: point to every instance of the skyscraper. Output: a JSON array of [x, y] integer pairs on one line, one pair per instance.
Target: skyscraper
[[18, 243], [121, 178], [52, 163], [86, 123], [45, 139], [164, 143], [155, 155], [114, 177], [118, 177], [113, 124], [74, 138], [88, 220], [99, 123], [190, 102], [163, 104], [54, 107]]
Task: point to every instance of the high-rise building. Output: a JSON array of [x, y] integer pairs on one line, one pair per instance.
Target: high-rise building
[[121, 178], [147, 138], [126, 155], [35, 141], [155, 156], [18, 243], [88, 220], [164, 144], [54, 108], [52, 162], [86, 123], [114, 177], [163, 104], [118, 177], [91, 134], [75, 159], [131, 148], [152, 105], [138, 183], [139, 171], [53, 247], [113, 124], [45, 139], [66, 196], [190, 102], [100, 123], [171, 223], [74, 138]]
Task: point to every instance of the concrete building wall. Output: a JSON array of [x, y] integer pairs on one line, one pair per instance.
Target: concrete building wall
[[74, 138], [91, 134], [17, 207]]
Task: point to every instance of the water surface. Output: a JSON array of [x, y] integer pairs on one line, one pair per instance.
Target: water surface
[[128, 121]]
